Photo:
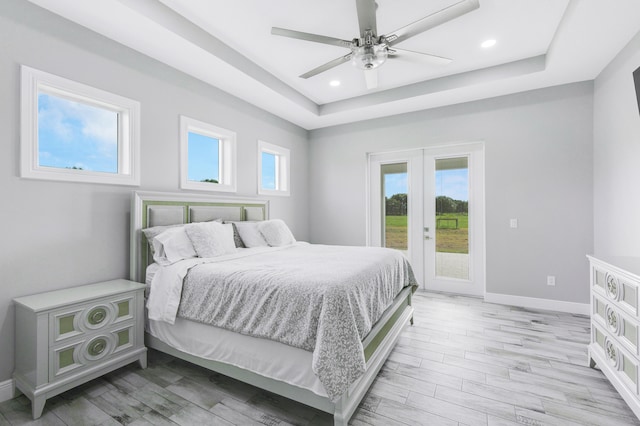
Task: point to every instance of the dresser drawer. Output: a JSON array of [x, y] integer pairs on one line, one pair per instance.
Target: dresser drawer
[[617, 289], [617, 322], [73, 321], [78, 354], [620, 361]]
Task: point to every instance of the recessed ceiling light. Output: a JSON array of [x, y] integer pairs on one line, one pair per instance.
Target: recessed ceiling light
[[334, 83], [488, 43]]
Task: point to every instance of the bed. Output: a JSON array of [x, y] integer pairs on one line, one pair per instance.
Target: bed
[[282, 368]]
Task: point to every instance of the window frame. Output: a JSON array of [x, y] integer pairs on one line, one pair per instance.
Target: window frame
[[227, 170], [283, 169], [35, 81]]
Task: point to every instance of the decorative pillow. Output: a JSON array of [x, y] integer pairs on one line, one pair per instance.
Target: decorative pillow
[[236, 237], [250, 235], [172, 245], [276, 233], [211, 239]]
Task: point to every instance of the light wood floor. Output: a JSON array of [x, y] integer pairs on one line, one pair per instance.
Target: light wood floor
[[464, 362]]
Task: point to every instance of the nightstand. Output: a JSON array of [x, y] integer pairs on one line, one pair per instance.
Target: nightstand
[[67, 337]]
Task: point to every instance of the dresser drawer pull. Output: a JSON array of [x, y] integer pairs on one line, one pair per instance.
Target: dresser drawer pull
[[97, 346], [97, 315], [612, 286], [612, 353], [612, 320]]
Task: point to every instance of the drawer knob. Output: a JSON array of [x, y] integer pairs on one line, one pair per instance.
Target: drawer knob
[[612, 286], [612, 353], [97, 315], [97, 346], [613, 320]]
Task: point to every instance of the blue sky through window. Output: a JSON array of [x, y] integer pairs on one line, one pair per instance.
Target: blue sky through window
[[452, 183], [395, 183], [204, 158], [268, 171], [73, 134]]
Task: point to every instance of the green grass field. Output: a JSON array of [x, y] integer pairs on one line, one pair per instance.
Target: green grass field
[[448, 238], [396, 232]]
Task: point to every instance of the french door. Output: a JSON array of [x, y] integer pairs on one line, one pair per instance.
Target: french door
[[429, 203]]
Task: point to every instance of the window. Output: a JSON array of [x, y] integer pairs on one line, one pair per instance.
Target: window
[[395, 194], [74, 132], [273, 169], [208, 156]]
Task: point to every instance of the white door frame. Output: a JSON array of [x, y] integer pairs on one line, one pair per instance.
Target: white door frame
[[476, 283], [418, 205], [414, 160]]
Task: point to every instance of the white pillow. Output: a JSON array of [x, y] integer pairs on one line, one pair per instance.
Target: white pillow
[[250, 235], [151, 233], [276, 233], [172, 245], [211, 239]]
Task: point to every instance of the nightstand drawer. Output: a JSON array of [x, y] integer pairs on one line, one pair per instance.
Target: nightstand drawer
[[73, 321], [87, 350]]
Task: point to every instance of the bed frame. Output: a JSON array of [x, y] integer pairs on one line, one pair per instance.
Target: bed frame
[[154, 208]]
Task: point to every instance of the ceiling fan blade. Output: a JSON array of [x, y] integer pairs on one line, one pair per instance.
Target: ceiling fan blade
[[366, 16], [404, 53], [311, 37], [371, 78], [447, 14], [327, 66]]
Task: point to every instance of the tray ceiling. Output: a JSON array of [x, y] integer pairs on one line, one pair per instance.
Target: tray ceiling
[[229, 45]]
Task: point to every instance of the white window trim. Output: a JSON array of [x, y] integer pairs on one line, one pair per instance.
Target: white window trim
[[228, 170], [33, 81], [283, 169]]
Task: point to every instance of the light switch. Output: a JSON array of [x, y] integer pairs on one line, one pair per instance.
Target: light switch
[[513, 223]]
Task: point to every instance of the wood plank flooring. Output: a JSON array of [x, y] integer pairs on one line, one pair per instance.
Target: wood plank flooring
[[464, 362]]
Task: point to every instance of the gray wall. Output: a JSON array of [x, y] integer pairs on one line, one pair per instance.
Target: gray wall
[[538, 168], [617, 157], [57, 235]]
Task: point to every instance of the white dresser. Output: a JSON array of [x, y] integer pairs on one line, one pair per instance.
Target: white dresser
[[615, 324], [67, 337]]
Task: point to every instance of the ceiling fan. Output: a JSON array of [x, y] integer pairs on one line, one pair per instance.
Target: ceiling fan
[[370, 50]]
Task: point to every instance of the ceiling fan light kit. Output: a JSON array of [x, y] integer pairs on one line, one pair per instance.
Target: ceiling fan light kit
[[369, 57], [370, 51]]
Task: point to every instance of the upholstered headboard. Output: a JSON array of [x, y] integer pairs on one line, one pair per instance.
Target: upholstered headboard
[[157, 208]]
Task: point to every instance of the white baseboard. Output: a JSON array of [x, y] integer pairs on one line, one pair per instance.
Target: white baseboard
[[535, 303], [7, 390]]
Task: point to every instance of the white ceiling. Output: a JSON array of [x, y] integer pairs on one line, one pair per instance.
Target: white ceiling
[[228, 44]]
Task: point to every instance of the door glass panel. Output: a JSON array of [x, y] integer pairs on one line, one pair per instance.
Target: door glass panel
[[452, 217], [395, 206]]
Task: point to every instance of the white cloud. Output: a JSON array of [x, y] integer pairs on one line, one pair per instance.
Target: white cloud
[[69, 119]]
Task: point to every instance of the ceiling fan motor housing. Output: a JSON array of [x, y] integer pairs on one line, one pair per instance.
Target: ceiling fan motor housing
[[369, 52]]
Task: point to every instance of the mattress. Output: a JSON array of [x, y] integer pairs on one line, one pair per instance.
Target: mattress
[[260, 356]]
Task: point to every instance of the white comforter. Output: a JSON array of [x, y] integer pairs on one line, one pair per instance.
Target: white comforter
[[324, 299]]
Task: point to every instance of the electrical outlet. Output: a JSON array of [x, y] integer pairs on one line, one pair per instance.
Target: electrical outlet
[[551, 280], [513, 223]]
